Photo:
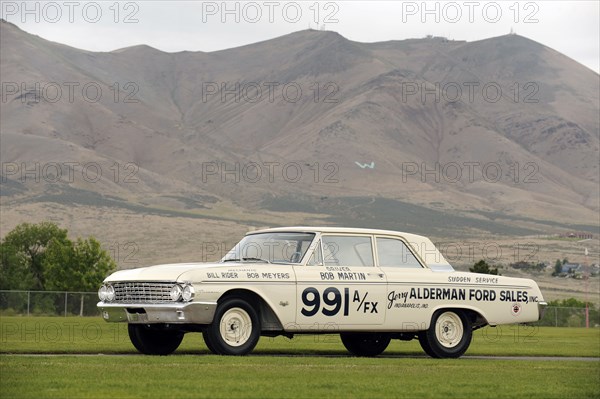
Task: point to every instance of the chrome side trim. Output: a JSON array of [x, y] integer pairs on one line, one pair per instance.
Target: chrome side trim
[[143, 313]]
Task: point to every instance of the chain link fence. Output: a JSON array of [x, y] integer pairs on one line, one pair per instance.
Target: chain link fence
[[48, 303], [56, 303], [556, 316]]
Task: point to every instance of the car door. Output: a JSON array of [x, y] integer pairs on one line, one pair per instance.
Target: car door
[[406, 276], [340, 286]]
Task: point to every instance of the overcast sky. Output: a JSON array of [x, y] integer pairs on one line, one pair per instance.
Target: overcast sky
[[571, 27]]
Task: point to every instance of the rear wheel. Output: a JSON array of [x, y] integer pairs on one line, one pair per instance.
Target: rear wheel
[[365, 344], [235, 329], [154, 341], [449, 335]]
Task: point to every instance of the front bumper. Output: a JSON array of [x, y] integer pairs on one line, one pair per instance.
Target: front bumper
[[172, 313]]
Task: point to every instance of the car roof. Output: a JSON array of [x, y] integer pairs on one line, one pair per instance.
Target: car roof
[[349, 230]]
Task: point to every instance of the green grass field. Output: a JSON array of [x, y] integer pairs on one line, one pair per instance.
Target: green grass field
[[306, 366]]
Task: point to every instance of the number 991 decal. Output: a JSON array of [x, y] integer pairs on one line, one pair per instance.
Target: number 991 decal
[[335, 302]]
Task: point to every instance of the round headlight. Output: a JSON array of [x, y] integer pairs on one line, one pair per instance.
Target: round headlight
[[110, 293], [102, 293], [176, 292], [188, 293]]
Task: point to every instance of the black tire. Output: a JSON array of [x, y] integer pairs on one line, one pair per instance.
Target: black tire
[[425, 343], [209, 344], [449, 335], [365, 344], [154, 341], [235, 329]]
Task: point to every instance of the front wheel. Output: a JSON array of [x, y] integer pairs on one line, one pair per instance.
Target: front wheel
[[449, 335], [153, 341], [365, 344], [235, 329]]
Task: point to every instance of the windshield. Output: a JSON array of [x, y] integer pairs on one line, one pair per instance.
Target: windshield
[[271, 248]]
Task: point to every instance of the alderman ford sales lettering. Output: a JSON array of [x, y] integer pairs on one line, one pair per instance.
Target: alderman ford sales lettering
[[460, 294]]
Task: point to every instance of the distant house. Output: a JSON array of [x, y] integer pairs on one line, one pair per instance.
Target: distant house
[[571, 268]]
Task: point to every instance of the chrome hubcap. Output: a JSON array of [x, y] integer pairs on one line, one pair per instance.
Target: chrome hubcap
[[449, 329], [236, 327]]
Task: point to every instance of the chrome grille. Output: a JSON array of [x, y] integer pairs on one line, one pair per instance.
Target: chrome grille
[[143, 292]]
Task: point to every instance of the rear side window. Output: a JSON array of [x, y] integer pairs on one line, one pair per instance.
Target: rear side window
[[394, 253], [347, 251]]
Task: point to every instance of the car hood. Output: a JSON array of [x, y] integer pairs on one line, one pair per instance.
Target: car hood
[[168, 272]]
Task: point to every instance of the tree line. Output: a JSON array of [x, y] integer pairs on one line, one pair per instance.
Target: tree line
[[42, 257]]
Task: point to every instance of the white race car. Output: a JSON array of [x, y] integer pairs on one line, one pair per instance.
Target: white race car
[[370, 286]]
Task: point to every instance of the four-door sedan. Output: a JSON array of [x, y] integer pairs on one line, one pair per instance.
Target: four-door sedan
[[370, 286]]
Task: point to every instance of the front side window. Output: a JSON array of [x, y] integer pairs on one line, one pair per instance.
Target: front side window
[[347, 251], [394, 253], [271, 247]]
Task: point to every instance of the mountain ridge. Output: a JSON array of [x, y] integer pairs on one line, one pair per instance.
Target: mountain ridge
[[355, 107]]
